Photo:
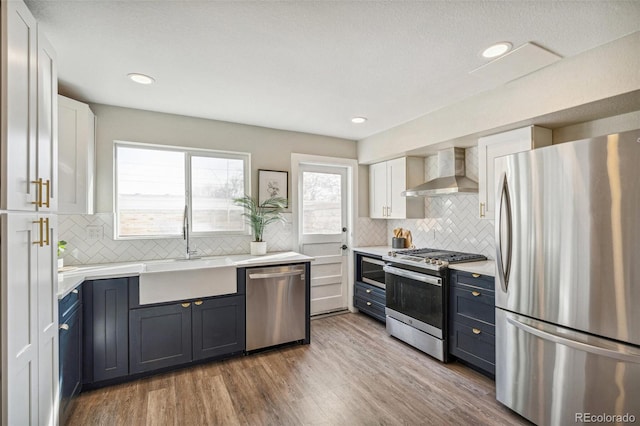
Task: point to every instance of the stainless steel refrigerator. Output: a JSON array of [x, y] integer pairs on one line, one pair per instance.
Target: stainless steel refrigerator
[[568, 281]]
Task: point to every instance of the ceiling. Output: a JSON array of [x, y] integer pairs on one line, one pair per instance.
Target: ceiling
[[307, 66]]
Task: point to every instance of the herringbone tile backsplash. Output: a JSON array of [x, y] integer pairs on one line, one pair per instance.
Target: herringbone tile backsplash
[[85, 248], [450, 223]]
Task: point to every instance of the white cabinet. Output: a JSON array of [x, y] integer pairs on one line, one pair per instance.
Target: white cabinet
[[29, 132], [387, 181], [76, 157], [28, 229], [491, 147], [30, 320]]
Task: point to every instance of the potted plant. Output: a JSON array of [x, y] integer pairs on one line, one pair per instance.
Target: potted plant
[[259, 215], [62, 246]]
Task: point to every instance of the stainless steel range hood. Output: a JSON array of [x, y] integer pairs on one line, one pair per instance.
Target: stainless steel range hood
[[451, 177]]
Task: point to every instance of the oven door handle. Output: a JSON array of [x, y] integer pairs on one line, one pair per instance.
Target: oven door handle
[[413, 275], [374, 261]]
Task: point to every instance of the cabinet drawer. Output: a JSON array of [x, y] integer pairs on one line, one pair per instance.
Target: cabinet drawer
[[472, 306], [69, 303], [371, 293], [373, 309], [475, 280], [477, 349]]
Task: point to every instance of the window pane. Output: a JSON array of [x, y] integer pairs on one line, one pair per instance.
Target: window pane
[[215, 183], [150, 185], [322, 203]]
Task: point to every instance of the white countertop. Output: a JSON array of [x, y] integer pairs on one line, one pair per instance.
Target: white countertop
[[71, 279], [377, 250], [483, 267]]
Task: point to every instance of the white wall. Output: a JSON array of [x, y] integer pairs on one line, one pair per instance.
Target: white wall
[[601, 127], [270, 148], [585, 83]]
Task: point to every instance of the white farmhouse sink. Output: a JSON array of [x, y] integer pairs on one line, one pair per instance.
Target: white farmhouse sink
[[173, 280]]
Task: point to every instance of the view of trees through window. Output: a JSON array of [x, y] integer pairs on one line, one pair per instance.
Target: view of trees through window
[[153, 185]]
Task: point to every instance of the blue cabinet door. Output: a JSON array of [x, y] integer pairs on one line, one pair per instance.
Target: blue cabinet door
[[218, 326], [70, 359], [106, 331], [160, 336]]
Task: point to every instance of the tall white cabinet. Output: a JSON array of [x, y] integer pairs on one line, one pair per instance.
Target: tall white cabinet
[[28, 223], [76, 157], [387, 181], [494, 146]]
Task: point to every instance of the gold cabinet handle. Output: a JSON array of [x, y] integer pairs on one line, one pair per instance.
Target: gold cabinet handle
[[38, 201], [40, 241], [476, 330], [475, 293], [198, 302], [46, 229], [186, 305], [368, 303], [47, 203], [368, 290], [64, 327], [481, 209], [74, 291], [476, 275]]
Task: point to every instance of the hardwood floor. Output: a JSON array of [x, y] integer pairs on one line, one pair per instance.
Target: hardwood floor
[[351, 374]]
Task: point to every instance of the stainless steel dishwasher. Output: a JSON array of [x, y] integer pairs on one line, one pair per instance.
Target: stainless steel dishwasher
[[276, 303]]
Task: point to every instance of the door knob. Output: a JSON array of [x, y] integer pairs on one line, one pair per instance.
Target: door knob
[[344, 247]]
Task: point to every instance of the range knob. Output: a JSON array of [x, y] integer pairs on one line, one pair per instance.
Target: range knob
[[440, 262], [434, 261], [427, 259]]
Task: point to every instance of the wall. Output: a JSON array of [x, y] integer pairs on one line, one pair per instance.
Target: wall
[[604, 126], [451, 222], [270, 149]]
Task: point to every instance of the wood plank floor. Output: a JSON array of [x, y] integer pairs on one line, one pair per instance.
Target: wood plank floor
[[351, 374]]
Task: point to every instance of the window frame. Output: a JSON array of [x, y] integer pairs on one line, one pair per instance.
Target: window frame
[[188, 152]]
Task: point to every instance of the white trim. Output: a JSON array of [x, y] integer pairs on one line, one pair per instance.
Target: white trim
[[352, 205]]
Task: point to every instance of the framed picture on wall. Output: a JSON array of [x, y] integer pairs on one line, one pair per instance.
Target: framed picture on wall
[[272, 183]]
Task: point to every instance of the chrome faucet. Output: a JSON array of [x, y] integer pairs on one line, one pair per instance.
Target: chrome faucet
[[190, 254]]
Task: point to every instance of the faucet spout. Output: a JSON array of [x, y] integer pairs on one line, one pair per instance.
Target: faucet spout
[[185, 234]]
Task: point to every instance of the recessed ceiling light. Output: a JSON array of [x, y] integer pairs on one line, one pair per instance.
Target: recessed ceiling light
[[358, 120], [497, 49], [141, 78]]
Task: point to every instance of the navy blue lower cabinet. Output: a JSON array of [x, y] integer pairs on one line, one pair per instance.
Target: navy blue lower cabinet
[[472, 320], [70, 347], [159, 337], [106, 329], [218, 326]]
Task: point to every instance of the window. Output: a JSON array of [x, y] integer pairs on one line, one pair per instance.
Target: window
[[155, 185]]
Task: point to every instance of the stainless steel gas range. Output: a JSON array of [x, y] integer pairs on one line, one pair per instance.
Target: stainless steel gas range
[[417, 287]]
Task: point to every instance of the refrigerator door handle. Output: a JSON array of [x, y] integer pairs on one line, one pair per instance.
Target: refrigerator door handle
[[624, 356], [504, 267]]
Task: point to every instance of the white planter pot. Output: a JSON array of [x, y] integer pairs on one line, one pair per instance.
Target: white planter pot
[[60, 263], [258, 248]]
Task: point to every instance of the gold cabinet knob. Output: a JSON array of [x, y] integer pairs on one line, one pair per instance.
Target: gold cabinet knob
[[476, 330], [368, 303], [475, 293], [186, 305], [475, 275], [368, 290], [74, 291], [198, 302], [64, 327]]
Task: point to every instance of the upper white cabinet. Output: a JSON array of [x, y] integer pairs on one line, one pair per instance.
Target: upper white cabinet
[[491, 147], [387, 180], [29, 132], [76, 157]]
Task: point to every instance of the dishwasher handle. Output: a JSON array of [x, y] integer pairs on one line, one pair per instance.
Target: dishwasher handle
[[276, 274]]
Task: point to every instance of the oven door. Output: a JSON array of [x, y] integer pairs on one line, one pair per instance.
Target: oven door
[[372, 271], [416, 299]]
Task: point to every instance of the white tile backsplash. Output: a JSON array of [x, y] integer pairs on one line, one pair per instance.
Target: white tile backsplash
[[79, 231]]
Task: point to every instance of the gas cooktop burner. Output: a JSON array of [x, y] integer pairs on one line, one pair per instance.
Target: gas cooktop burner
[[435, 258]]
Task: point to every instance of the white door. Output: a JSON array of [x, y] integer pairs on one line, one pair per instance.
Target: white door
[[323, 233]]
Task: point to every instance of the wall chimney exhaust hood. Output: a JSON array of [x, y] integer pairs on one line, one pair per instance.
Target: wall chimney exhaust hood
[[451, 177]]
